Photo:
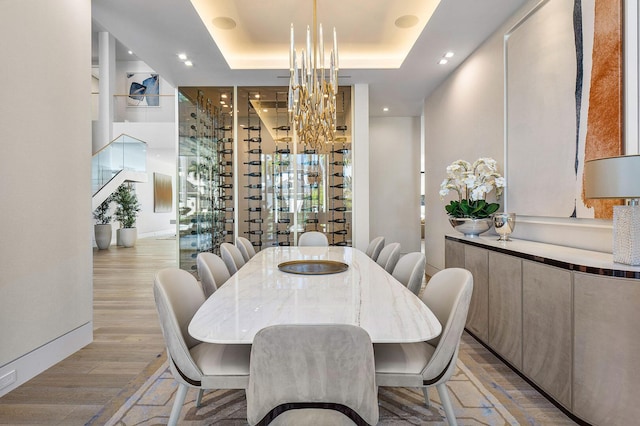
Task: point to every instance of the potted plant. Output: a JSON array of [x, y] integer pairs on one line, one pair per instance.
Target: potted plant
[[102, 229], [126, 213], [471, 214]]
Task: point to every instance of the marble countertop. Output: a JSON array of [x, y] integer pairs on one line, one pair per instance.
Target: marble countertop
[[574, 259]]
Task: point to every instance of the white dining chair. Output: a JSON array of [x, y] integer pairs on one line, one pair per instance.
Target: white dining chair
[[431, 363], [389, 256], [246, 248], [312, 374], [178, 295], [410, 271], [232, 257], [375, 247], [313, 238], [212, 271]]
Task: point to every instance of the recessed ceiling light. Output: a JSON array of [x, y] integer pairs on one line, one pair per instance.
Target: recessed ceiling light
[[265, 110], [223, 96], [222, 102], [182, 56], [448, 55], [442, 61], [224, 23], [130, 52], [385, 109], [257, 96], [406, 21], [188, 63]]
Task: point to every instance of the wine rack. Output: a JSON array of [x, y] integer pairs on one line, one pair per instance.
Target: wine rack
[[338, 223], [224, 209], [253, 174]]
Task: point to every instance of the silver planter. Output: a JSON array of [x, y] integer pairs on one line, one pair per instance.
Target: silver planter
[[471, 227]]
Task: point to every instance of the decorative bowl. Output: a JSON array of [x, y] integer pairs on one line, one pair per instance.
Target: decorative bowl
[[471, 227]]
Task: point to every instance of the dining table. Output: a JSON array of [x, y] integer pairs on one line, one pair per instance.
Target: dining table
[[260, 294]]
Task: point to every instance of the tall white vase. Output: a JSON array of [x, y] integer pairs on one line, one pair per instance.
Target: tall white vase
[[128, 236], [103, 236]]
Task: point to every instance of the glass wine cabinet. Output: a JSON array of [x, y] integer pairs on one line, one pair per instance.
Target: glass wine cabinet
[[249, 175]]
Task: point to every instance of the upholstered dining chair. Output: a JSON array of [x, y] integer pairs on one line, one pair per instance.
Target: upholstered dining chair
[[178, 296], [431, 363], [410, 271], [232, 257], [389, 256], [375, 247], [312, 374], [313, 238], [245, 247], [212, 272]]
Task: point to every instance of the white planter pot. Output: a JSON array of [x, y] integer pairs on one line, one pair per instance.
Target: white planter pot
[[103, 236], [128, 236]]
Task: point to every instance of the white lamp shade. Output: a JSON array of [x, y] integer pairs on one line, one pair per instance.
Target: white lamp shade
[[614, 177]]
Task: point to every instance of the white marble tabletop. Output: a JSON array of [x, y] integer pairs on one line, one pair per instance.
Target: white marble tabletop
[[259, 295]]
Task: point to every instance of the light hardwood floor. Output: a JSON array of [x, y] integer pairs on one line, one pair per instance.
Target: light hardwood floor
[[127, 339]]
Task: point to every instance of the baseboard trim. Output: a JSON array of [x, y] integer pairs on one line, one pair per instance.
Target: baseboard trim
[[35, 362]]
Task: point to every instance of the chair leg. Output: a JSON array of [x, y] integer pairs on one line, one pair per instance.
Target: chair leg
[[199, 398], [425, 392], [181, 394], [446, 404]]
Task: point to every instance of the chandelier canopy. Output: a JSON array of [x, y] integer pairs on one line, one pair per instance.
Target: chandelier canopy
[[312, 98]]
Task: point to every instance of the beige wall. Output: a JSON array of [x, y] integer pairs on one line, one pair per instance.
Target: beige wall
[[394, 180], [45, 152]]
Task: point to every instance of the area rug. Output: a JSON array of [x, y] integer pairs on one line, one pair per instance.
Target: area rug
[[151, 404]]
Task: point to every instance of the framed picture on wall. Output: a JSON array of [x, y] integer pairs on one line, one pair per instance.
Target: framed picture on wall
[[143, 89]]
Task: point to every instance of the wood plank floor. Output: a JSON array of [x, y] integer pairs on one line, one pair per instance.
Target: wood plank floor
[[127, 339]]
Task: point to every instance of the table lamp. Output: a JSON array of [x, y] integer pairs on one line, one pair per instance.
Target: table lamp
[[618, 177]]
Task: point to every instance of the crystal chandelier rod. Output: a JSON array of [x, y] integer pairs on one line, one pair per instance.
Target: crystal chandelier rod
[[312, 99]]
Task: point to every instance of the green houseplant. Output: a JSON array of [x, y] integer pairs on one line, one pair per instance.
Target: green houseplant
[[102, 228], [471, 213], [126, 213]]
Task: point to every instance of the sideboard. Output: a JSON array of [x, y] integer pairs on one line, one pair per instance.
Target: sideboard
[[565, 318]]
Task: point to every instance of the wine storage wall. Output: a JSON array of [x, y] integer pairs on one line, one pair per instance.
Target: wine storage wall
[[284, 187], [205, 176]]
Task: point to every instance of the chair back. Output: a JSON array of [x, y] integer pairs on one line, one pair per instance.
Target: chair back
[[313, 238], [231, 257], [375, 247], [212, 272], [312, 366], [410, 271], [245, 247], [178, 296], [389, 256], [448, 295]]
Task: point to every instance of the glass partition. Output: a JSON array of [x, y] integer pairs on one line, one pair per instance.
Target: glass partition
[[123, 153]]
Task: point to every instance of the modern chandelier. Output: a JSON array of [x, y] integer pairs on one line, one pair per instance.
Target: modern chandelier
[[312, 99]]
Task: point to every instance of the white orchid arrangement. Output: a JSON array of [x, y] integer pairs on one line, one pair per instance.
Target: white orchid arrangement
[[472, 182]]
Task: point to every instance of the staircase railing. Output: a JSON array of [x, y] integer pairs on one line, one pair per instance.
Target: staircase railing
[[125, 158]]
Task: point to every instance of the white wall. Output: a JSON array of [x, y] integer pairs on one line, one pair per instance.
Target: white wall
[[45, 184], [394, 180], [464, 118]]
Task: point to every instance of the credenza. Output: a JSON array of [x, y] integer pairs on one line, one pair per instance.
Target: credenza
[[567, 319]]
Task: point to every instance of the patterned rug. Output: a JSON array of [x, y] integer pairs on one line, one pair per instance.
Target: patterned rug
[[151, 404]]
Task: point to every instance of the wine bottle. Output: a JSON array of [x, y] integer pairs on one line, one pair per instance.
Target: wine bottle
[[285, 232], [338, 174], [227, 232], [338, 220], [312, 220], [226, 197], [338, 163], [282, 163], [253, 140], [225, 140], [258, 220], [309, 163], [253, 163], [230, 220], [193, 114], [340, 232], [342, 128], [309, 151], [224, 128], [306, 209], [254, 197], [340, 185], [254, 186], [339, 197], [226, 174], [256, 243], [284, 220], [312, 174], [283, 128], [284, 139], [226, 163], [224, 209], [193, 127], [339, 209], [252, 128], [254, 209], [255, 151], [226, 186], [284, 243], [283, 209], [255, 232], [283, 151], [340, 151], [226, 151], [254, 174], [340, 243]]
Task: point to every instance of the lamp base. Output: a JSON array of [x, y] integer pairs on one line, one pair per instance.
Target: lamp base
[[626, 234]]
